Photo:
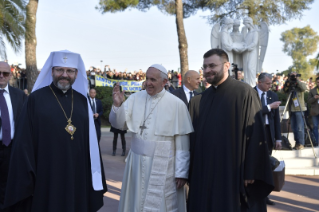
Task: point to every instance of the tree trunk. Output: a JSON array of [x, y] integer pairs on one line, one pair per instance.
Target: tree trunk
[[182, 40], [31, 43]]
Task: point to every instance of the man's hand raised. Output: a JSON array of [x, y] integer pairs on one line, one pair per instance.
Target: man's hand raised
[[117, 95], [275, 105]]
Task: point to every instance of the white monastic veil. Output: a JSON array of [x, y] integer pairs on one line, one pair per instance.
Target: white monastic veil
[[66, 58]]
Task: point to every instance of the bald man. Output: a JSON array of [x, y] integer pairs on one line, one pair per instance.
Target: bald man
[[11, 101], [187, 91]]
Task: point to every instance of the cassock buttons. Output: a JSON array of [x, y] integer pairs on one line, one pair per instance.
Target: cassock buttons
[[260, 143]]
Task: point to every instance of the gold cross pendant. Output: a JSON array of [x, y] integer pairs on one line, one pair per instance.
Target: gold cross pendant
[[70, 128]]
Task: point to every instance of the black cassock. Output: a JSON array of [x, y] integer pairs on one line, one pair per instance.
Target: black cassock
[[49, 172], [227, 147]]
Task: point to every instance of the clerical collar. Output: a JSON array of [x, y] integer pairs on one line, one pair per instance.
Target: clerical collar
[[59, 91], [222, 84], [158, 95]]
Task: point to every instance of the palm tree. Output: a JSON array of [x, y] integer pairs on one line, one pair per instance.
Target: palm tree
[[12, 16]]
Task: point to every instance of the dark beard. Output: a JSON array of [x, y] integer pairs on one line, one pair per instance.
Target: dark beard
[[218, 77]]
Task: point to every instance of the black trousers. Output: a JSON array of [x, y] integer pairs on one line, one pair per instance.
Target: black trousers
[[269, 139], [5, 152], [122, 139]]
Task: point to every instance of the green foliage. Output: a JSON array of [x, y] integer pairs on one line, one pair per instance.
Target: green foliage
[[165, 6], [299, 43], [12, 18], [270, 11], [105, 95]]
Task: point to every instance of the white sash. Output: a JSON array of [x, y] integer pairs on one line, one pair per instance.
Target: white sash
[[162, 178]]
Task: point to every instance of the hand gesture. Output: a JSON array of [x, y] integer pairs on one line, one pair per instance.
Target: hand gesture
[[117, 95], [316, 96], [275, 105]]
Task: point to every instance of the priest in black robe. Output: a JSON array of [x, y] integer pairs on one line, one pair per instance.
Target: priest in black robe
[[229, 165], [52, 161]]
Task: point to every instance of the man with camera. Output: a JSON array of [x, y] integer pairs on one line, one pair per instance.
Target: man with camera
[[296, 108]]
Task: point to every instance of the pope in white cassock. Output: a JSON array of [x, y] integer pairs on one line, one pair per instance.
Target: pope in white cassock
[[157, 165]]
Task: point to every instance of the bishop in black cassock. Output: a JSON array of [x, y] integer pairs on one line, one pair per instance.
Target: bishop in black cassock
[[228, 148], [50, 170]]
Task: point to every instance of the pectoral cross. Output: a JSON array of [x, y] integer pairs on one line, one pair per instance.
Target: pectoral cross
[[143, 127], [65, 58]]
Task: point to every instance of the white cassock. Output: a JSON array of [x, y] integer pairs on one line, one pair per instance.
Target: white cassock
[[158, 156]]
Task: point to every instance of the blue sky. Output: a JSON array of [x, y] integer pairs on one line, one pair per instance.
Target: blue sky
[[135, 40]]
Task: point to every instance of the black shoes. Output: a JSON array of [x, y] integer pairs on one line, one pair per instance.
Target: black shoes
[[113, 153], [123, 153], [269, 202]]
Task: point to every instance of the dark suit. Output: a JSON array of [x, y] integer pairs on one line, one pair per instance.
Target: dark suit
[[180, 93], [17, 99], [273, 131], [97, 121]]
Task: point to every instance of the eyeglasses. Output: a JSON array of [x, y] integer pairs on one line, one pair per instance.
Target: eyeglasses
[[5, 74], [68, 71], [211, 66]]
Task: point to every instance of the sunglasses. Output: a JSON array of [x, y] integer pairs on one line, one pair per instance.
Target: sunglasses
[[5, 74]]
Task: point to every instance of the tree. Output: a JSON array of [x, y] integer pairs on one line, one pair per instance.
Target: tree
[[317, 60], [270, 11], [31, 43], [299, 43], [177, 7], [12, 16]]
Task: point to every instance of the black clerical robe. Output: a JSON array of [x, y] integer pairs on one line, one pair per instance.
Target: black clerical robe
[[227, 147], [49, 172]]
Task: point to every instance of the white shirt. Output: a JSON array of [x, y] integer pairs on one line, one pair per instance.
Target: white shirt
[[6, 95], [93, 100], [260, 92], [186, 90]]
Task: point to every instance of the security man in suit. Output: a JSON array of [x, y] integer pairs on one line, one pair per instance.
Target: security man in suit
[[11, 102], [191, 83], [97, 108], [270, 112]]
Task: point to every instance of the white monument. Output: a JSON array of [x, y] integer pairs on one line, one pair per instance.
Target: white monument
[[246, 49]]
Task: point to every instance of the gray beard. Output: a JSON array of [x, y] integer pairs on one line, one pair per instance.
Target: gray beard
[[63, 88]]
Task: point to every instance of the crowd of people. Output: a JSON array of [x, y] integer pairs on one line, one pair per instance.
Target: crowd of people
[[55, 162]]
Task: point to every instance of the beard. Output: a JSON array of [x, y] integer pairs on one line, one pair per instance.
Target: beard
[[218, 76], [63, 86]]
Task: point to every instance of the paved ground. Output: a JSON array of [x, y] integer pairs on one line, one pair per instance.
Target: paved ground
[[300, 193]]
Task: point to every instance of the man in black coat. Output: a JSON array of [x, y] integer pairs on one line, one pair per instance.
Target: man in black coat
[[187, 91], [97, 108], [270, 112], [11, 102]]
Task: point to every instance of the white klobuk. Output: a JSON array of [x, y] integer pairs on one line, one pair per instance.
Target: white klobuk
[[159, 153], [69, 59]]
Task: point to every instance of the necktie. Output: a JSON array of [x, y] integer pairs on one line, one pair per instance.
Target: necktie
[[6, 128], [263, 103], [190, 95], [94, 110]]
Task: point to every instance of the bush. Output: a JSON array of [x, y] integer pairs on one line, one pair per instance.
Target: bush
[[105, 95]]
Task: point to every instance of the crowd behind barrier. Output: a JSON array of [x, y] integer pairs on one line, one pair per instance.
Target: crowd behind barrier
[[19, 78]]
